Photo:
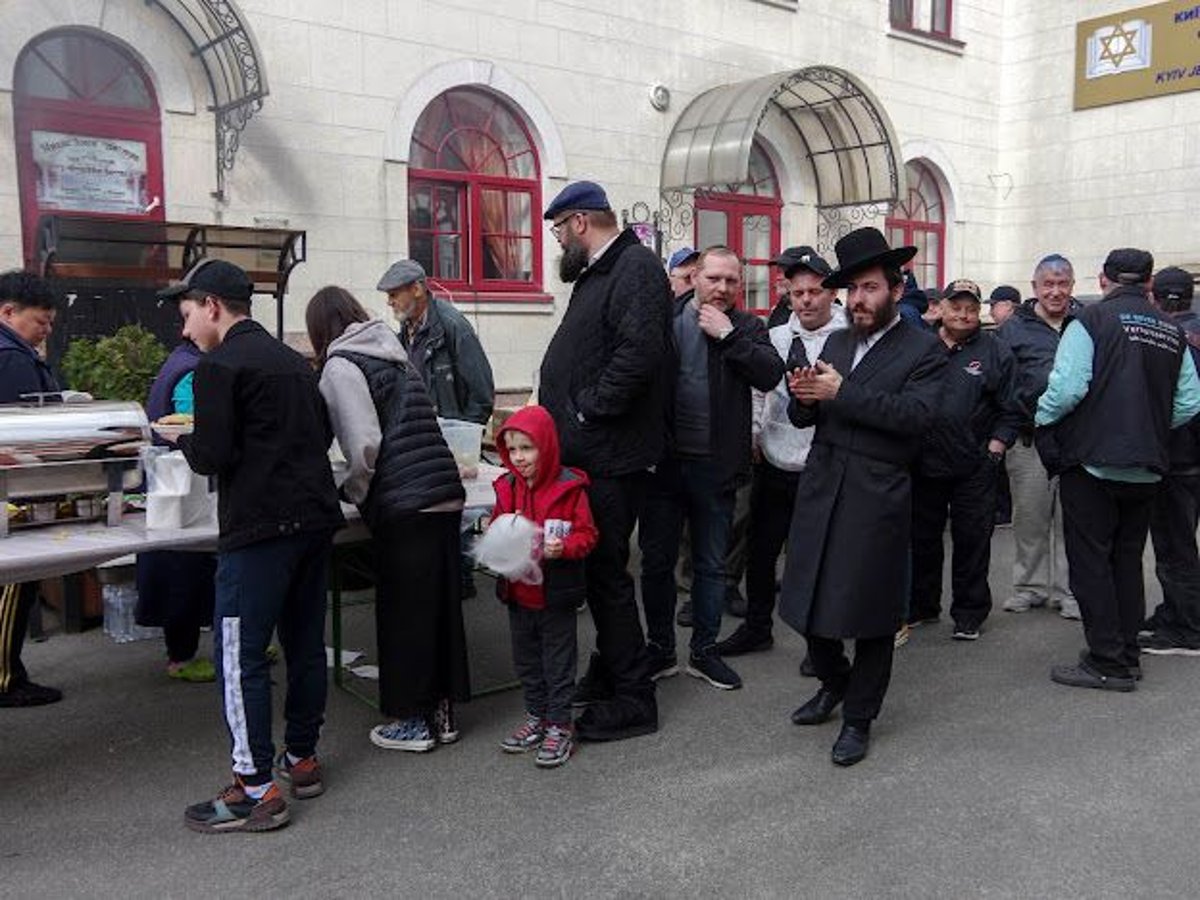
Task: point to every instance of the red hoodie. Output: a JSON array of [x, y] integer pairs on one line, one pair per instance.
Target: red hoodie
[[556, 493]]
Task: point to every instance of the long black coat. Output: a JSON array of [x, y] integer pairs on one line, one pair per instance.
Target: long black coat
[[848, 551], [604, 376]]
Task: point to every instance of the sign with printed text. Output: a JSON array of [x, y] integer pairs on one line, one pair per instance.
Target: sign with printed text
[[92, 174], [1146, 52]]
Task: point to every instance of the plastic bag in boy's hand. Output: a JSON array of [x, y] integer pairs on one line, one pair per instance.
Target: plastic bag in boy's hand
[[511, 547]]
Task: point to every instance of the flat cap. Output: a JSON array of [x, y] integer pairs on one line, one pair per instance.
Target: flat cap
[[1173, 283], [579, 195], [399, 274], [215, 277], [1128, 265]]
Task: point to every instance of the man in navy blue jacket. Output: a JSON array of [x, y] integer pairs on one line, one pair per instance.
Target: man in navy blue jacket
[[27, 310]]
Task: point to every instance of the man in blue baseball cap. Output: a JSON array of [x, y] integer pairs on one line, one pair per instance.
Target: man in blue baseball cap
[[603, 380], [681, 265]]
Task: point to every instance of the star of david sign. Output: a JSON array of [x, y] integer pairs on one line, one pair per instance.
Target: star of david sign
[[1118, 45]]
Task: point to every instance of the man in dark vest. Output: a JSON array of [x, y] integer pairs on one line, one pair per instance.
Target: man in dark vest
[[1122, 379], [1174, 629], [27, 309], [871, 395]]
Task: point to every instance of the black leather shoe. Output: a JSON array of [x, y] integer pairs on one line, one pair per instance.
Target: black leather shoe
[[1084, 676], [619, 718], [1135, 671], [807, 669], [818, 709], [744, 641], [851, 745]]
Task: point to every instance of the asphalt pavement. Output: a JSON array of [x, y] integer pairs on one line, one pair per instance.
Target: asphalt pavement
[[984, 779]]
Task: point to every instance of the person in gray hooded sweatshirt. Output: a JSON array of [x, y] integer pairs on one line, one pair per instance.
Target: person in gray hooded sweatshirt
[[404, 480]]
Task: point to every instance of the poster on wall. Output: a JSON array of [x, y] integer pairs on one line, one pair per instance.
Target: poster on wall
[[89, 174], [1146, 52]]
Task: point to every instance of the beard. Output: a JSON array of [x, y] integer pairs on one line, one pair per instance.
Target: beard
[[573, 261], [879, 319]]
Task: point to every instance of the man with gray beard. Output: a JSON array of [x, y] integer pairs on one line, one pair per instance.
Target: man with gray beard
[[604, 380]]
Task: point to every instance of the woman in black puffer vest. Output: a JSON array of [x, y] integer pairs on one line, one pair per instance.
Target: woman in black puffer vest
[[404, 480]]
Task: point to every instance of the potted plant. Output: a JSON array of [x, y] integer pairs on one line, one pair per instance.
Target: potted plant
[[118, 367]]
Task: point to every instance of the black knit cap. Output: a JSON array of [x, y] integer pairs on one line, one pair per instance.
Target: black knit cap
[[1128, 265]]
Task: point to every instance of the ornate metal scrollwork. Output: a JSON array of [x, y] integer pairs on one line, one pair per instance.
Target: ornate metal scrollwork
[[835, 222]]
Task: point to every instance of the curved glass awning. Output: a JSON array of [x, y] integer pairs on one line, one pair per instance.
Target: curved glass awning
[[848, 138], [223, 42]]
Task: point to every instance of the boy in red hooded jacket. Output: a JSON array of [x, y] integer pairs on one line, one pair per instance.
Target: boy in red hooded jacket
[[542, 616]]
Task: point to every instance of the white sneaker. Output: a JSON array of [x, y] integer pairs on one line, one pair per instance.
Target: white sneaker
[[1019, 603], [1070, 609]]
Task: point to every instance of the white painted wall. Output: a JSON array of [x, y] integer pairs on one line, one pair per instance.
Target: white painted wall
[[327, 152]]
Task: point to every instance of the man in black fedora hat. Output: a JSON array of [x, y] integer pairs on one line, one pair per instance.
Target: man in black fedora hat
[[871, 394]]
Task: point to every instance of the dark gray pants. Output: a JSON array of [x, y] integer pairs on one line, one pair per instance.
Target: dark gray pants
[[545, 657]]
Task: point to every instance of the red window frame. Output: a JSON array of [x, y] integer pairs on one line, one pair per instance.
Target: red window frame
[[737, 207], [80, 117], [470, 187], [923, 194]]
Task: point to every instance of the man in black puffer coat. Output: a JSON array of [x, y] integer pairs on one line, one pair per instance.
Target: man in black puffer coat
[[604, 381]]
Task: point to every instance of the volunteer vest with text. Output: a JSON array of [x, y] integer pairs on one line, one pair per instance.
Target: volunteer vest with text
[[1125, 419]]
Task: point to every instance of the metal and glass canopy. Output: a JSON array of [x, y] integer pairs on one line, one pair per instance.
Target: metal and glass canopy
[[846, 134]]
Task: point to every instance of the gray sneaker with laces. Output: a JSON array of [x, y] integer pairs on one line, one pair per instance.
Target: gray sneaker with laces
[[557, 746]]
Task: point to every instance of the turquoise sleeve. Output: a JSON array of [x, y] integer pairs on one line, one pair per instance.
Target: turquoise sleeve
[[1070, 377], [182, 398], [1187, 392]]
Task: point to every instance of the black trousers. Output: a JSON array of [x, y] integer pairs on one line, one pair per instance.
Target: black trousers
[[616, 504], [1173, 521], [545, 656], [16, 604], [418, 614], [176, 590], [862, 684], [772, 497], [970, 504], [1104, 526]]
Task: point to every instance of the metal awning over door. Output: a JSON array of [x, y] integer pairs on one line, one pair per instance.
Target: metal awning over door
[[223, 42], [847, 135]]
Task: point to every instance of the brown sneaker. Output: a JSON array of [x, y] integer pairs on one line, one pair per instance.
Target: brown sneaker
[[233, 810], [303, 777]]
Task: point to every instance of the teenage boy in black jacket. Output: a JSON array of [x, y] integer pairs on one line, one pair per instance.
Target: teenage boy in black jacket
[[261, 428], [956, 473]]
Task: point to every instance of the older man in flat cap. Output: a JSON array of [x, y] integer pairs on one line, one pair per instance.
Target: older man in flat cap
[[1122, 379], [441, 344], [604, 380]]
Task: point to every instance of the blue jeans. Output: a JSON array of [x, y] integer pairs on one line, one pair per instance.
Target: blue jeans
[[693, 489], [276, 584]]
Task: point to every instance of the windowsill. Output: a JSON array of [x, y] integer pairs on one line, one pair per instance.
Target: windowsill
[[927, 39], [498, 301]]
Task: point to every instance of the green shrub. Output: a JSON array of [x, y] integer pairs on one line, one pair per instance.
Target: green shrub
[[119, 367]]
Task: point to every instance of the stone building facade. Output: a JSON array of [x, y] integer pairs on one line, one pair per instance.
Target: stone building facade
[[440, 128]]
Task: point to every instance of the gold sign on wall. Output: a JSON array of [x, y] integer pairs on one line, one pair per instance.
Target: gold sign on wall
[[1139, 53]]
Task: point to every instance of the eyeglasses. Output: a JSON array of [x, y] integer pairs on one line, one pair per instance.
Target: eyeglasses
[[557, 228]]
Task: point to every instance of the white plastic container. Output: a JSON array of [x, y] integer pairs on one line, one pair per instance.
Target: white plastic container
[[465, 440]]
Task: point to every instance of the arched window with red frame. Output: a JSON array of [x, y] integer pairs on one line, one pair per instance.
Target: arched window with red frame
[[919, 220], [88, 132], [745, 218], [474, 195]]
